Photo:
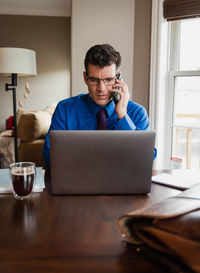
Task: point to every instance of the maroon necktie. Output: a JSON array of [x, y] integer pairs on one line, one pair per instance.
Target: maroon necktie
[[102, 122]]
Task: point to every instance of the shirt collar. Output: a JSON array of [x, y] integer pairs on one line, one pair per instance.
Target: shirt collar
[[94, 108]]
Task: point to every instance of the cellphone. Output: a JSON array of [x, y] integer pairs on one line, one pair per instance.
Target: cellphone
[[115, 95]]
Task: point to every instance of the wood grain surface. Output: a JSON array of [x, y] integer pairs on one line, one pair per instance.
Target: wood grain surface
[[72, 233]]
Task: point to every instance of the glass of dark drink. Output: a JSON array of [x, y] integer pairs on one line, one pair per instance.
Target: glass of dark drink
[[22, 176]]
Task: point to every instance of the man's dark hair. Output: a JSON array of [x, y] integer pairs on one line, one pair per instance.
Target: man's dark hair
[[102, 55]]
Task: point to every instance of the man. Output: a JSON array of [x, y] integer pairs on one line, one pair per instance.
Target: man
[[102, 63]]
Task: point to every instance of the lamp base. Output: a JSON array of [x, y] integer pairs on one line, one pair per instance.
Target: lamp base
[[11, 87]]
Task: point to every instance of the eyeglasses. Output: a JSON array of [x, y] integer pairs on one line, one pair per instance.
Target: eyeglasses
[[96, 81]]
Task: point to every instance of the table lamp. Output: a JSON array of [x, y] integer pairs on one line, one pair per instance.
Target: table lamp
[[16, 62]]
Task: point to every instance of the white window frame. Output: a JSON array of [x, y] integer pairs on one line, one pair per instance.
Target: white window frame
[[164, 68], [173, 65], [158, 78]]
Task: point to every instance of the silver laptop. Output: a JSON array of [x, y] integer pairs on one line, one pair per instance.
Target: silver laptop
[[101, 162]]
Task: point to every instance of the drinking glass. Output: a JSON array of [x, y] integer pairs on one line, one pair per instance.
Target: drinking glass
[[22, 175]]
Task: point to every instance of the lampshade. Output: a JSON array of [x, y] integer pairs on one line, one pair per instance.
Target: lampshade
[[18, 61]]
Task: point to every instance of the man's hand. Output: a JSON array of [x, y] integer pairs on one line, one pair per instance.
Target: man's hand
[[121, 106]]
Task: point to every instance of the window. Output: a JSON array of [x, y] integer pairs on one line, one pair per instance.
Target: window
[[182, 140], [189, 44]]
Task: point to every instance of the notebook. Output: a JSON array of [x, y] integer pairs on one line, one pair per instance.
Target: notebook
[[101, 162]]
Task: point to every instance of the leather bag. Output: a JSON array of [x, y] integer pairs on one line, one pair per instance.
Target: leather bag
[[170, 227]]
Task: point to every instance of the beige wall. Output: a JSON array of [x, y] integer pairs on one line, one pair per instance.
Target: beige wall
[[50, 38], [98, 22], [142, 43]]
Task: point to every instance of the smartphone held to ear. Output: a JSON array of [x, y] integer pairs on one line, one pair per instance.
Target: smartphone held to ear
[[115, 95]]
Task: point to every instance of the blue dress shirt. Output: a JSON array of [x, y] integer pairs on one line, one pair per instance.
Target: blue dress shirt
[[80, 113]]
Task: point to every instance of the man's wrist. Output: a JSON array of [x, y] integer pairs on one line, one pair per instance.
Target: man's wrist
[[121, 116], [125, 124]]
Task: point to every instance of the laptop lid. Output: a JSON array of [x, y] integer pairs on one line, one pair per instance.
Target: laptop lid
[[101, 162]]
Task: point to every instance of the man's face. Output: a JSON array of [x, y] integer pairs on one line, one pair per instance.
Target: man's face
[[99, 93]]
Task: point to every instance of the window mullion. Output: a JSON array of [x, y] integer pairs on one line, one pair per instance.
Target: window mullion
[[174, 64]]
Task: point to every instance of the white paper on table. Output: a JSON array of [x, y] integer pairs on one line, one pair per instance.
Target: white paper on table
[[180, 179], [5, 186]]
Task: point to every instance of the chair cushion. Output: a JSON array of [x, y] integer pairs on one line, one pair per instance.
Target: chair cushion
[[34, 125], [32, 151]]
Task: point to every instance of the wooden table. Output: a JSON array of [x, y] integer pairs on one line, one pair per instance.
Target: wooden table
[[71, 233]]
